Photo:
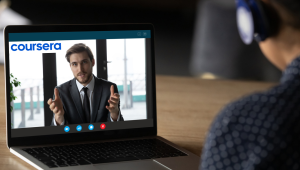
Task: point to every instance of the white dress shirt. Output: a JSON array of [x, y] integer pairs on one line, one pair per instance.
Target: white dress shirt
[[90, 90]]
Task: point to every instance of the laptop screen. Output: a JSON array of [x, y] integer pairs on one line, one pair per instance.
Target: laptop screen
[[78, 82]]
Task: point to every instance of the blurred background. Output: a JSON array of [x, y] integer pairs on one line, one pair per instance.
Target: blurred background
[[195, 38]]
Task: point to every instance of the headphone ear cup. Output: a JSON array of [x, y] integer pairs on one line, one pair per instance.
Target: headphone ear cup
[[264, 20], [245, 21]]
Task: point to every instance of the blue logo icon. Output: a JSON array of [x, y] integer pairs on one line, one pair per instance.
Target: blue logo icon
[[91, 127], [67, 129], [78, 128]]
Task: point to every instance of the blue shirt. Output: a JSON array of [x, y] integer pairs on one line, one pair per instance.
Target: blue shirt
[[260, 131]]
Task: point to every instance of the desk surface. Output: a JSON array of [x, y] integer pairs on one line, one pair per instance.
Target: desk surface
[[185, 109]]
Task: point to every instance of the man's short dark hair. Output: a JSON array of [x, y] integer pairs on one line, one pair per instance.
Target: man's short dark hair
[[293, 7], [78, 48]]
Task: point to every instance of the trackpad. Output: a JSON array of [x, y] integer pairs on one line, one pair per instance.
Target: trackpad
[[132, 165]]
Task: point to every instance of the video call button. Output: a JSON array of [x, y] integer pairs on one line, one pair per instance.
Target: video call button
[[67, 128], [102, 126], [78, 128], [91, 127]]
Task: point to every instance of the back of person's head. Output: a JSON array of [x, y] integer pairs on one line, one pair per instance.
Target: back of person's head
[[283, 46], [275, 24], [290, 12]]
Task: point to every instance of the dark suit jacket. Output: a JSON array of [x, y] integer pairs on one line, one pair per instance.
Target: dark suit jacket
[[70, 97]]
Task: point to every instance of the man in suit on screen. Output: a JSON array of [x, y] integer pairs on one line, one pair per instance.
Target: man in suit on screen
[[86, 98]]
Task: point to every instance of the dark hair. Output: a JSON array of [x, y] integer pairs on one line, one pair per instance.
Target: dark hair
[[293, 8], [78, 48]]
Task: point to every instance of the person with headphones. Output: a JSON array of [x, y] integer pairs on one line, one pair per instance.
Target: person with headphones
[[262, 131]]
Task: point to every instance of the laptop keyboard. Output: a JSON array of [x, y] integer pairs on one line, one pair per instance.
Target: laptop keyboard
[[94, 153]]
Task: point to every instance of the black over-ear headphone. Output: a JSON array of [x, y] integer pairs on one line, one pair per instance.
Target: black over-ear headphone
[[252, 21]]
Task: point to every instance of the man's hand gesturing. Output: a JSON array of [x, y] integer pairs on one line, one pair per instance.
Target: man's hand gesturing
[[113, 104], [56, 107]]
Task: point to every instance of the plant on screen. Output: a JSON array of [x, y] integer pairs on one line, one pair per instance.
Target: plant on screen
[[13, 82]]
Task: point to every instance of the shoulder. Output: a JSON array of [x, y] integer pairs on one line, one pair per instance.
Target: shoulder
[[103, 82], [261, 104], [254, 115], [259, 116], [65, 86], [250, 124], [257, 106]]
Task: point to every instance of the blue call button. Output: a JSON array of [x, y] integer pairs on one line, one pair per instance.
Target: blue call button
[[67, 128], [78, 128], [91, 127]]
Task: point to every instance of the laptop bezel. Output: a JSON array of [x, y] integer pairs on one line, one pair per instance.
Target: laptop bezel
[[88, 136]]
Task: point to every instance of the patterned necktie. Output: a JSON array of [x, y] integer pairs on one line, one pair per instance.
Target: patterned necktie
[[86, 105]]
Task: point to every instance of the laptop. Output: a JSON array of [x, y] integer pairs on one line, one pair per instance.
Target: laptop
[[84, 97]]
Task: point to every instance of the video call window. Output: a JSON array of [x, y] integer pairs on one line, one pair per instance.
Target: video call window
[[126, 68]]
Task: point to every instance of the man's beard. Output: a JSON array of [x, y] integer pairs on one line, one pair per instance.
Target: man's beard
[[84, 81]]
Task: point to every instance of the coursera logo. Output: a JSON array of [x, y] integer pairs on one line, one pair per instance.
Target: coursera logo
[[38, 46]]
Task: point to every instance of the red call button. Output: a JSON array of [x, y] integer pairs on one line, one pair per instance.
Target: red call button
[[102, 126]]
